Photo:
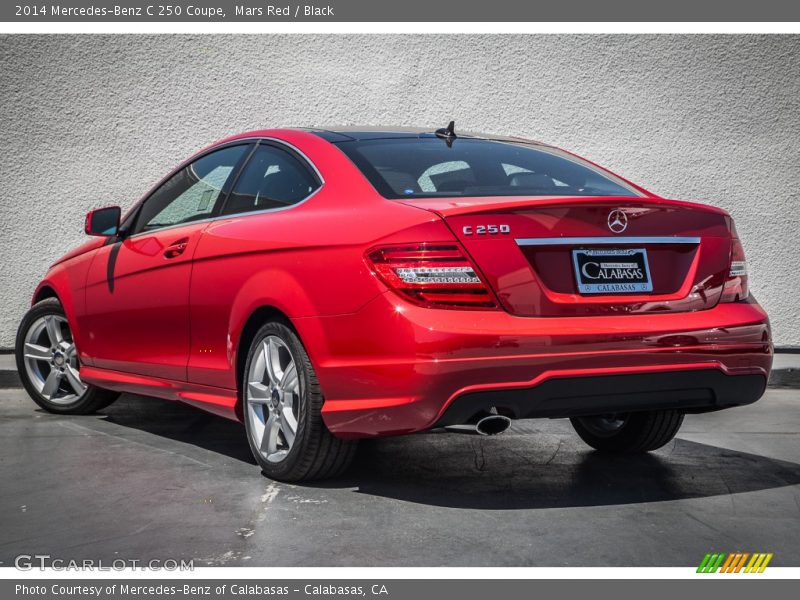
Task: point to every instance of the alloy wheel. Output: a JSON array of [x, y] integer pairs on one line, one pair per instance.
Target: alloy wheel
[[273, 398], [51, 360]]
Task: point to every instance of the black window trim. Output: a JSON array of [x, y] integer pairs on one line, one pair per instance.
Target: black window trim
[[304, 161], [129, 222], [131, 226]]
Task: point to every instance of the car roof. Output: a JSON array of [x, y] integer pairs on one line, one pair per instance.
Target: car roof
[[354, 133]]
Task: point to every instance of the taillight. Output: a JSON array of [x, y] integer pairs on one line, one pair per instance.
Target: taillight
[[434, 275], [736, 284]]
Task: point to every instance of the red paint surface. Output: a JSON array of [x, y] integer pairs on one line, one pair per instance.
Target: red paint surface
[[170, 326]]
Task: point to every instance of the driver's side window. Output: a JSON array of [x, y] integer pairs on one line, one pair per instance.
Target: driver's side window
[[191, 194]]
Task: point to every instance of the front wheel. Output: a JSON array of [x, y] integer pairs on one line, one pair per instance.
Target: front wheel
[[48, 365], [629, 432], [282, 411]]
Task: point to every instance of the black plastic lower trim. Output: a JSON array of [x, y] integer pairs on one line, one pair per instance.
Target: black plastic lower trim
[[688, 391]]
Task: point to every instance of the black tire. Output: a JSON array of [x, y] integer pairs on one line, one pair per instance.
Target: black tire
[[315, 452], [91, 400], [629, 433]]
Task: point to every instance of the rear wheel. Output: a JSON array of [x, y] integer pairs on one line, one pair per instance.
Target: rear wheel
[[629, 432], [282, 411], [48, 364]]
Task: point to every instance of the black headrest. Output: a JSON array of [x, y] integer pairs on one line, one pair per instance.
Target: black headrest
[[540, 181]]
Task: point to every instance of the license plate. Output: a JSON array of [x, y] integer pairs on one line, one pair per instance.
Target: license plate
[[612, 271]]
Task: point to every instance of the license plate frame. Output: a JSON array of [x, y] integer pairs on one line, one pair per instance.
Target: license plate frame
[[622, 271]]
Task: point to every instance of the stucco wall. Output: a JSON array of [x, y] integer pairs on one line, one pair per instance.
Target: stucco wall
[[89, 120]]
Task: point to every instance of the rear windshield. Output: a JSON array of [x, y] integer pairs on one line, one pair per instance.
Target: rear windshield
[[429, 168]]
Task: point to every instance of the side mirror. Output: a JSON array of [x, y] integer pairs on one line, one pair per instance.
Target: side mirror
[[103, 221]]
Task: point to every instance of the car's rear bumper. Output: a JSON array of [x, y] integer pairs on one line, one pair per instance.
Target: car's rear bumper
[[393, 368], [700, 389]]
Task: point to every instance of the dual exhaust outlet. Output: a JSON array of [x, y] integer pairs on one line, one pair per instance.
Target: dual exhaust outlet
[[483, 424]]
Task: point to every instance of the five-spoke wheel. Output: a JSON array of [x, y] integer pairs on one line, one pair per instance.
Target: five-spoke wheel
[[273, 391], [49, 365], [282, 406], [51, 361]]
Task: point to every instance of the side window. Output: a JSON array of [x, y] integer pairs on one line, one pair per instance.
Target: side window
[[273, 178], [192, 193]]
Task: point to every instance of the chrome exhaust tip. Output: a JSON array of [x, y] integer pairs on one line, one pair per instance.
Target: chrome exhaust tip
[[489, 424], [492, 425]]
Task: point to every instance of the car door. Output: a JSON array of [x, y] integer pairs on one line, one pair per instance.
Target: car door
[[255, 227], [137, 294]]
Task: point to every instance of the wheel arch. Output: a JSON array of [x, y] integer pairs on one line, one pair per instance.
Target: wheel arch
[[57, 287], [263, 314], [44, 291], [60, 284]]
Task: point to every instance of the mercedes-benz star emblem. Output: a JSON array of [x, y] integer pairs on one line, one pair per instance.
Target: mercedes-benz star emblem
[[617, 221]]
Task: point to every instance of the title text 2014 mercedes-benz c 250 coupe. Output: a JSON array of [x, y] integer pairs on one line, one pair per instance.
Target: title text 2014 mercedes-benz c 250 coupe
[[327, 285]]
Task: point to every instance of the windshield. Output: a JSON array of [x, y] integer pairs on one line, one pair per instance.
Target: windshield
[[430, 168]]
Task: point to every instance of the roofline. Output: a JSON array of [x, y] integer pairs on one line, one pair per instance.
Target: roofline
[[351, 133], [339, 134]]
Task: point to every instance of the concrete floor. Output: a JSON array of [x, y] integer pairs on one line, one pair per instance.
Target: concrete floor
[[153, 479]]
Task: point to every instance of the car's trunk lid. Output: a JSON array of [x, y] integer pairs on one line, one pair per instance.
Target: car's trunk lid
[[525, 249]]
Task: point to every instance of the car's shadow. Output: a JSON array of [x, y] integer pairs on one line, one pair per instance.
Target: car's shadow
[[181, 423], [535, 465]]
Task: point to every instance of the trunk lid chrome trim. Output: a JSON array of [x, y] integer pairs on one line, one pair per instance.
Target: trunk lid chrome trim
[[565, 241]]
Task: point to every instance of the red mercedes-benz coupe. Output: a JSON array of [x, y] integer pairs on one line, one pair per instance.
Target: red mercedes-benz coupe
[[327, 285]]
